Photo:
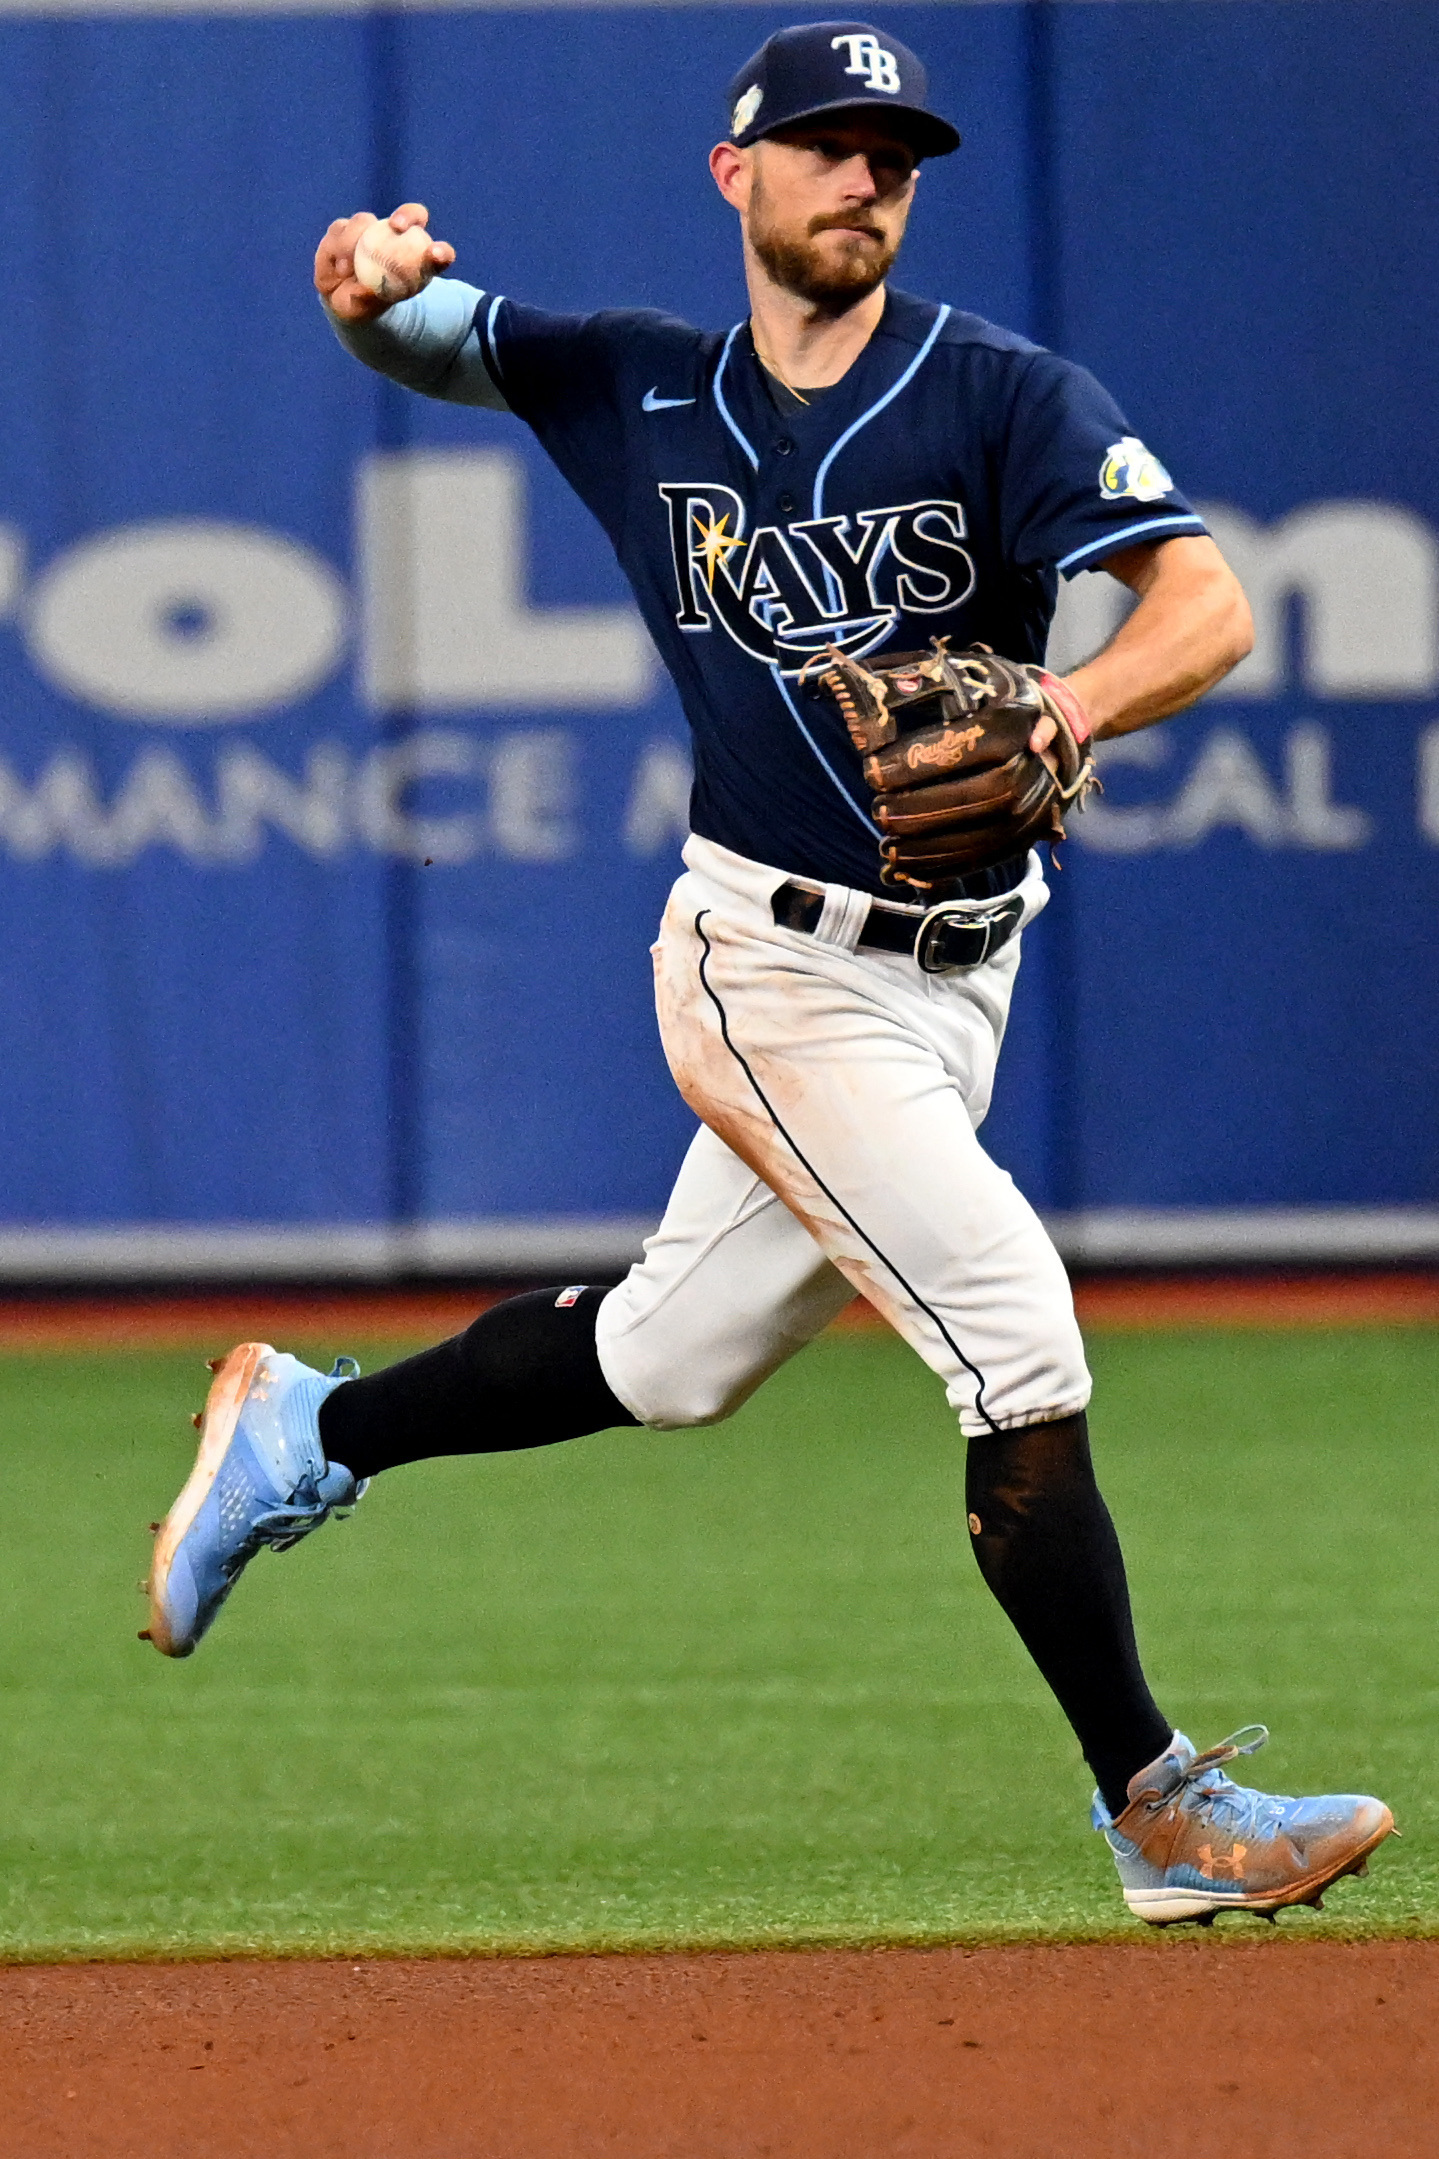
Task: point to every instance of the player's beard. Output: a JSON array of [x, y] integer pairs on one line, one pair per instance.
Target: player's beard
[[824, 278]]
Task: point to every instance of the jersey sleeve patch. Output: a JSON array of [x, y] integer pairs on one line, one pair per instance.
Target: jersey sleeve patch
[[1130, 470]]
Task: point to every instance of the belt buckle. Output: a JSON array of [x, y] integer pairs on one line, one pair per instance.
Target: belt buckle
[[990, 930]]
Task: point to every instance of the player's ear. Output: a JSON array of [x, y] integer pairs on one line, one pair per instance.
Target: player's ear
[[730, 168]]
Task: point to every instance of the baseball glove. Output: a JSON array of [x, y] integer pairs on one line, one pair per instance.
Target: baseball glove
[[945, 742]]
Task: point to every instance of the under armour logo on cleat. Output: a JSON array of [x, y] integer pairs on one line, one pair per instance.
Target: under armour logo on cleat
[[653, 402], [1212, 1862]]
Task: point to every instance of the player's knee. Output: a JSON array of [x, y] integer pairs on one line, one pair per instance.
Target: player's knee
[[1059, 1378], [670, 1383], [1045, 1380], [1071, 1369], [1063, 1372], [677, 1402], [665, 1396]]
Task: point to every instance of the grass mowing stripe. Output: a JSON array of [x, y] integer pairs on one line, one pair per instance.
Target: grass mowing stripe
[[728, 1687]]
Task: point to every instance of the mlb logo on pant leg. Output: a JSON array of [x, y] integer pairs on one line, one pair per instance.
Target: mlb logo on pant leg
[[569, 1296]]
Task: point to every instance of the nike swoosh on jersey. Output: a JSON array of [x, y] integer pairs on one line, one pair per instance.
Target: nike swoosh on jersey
[[653, 402]]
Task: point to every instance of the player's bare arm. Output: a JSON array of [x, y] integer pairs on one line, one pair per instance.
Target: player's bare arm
[[1192, 625]]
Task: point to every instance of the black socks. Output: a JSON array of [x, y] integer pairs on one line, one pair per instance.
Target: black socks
[[524, 1375], [527, 1374], [1047, 1548]]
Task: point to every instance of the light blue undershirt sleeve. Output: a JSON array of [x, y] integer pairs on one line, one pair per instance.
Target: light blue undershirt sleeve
[[428, 344]]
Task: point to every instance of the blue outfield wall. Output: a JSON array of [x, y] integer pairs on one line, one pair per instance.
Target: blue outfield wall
[[339, 791]]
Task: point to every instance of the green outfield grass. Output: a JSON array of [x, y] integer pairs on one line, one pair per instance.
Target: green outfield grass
[[739, 1686]]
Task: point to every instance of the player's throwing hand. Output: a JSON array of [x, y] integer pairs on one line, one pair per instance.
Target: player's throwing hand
[[365, 264]]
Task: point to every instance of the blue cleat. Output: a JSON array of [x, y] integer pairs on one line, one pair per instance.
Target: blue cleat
[[1190, 1843], [260, 1478]]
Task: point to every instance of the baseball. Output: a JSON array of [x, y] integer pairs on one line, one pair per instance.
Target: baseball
[[393, 265]]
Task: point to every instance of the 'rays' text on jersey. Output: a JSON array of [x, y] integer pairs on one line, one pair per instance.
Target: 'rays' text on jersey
[[787, 592]]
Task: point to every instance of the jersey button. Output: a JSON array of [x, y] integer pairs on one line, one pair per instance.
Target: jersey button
[[783, 446], [786, 505]]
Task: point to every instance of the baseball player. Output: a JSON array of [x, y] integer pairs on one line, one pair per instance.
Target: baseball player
[[843, 521]]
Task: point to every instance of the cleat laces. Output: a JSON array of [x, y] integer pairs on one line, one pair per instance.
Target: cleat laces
[[283, 1527], [1202, 1789]]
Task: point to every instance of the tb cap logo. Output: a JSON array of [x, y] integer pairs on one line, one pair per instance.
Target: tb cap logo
[[869, 58], [814, 69]]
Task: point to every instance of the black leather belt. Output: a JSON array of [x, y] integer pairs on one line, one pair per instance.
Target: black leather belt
[[938, 939]]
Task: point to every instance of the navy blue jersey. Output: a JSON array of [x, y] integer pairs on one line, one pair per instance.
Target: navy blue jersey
[[937, 490]]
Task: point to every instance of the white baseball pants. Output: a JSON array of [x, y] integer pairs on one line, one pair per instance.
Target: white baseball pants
[[839, 1092]]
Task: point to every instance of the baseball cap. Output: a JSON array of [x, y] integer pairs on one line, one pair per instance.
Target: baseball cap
[[835, 67]]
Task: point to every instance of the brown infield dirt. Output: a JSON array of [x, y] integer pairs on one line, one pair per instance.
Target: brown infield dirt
[[1105, 1303], [1320, 2050]]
